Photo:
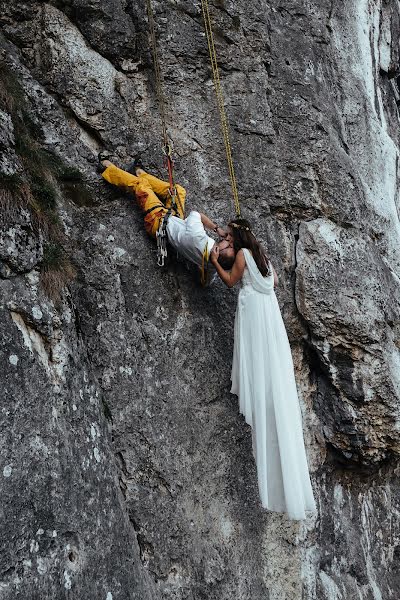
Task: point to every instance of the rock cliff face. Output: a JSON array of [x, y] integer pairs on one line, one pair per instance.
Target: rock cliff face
[[126, 471]]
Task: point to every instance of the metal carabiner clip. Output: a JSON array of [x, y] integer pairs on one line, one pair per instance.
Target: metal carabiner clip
[[168, 148]]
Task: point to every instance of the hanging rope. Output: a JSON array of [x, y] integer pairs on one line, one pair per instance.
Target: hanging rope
[[157, 73], [220, 102], [167, 145]]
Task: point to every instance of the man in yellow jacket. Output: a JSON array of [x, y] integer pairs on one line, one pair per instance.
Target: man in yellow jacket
[[187, 236]]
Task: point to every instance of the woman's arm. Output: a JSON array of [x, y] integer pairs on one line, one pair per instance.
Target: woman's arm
[[230, 278]]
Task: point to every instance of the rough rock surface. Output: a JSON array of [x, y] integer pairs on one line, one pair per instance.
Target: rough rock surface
[[126, 471]]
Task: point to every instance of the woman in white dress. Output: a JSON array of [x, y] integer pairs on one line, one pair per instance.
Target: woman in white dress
[[263, 378]]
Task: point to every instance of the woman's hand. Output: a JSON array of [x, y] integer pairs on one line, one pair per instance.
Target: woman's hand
[[214, 254], [230, 278]]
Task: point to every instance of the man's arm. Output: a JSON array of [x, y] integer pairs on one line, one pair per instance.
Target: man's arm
[[208, 224]]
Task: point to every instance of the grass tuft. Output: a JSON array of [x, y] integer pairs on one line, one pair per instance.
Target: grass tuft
[[44, 194], [45, 176], [14, 195], [11, 92], [56, 271], [53, 257], [10, 182]]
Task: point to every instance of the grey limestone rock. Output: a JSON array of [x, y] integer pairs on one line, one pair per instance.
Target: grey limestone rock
[[126, 472]]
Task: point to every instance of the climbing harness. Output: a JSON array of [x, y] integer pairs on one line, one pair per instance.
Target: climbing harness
[[220, 102]]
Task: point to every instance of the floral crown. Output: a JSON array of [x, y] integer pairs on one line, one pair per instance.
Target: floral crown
[[238, 226]]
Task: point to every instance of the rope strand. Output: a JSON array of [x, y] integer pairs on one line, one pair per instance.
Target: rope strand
[[162, 103], [220, 102], [157, 73]]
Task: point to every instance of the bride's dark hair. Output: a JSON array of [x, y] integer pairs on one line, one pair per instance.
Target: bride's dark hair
[[243, 237]]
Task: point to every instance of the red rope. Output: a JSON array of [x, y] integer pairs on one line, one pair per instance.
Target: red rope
[[170, 167]]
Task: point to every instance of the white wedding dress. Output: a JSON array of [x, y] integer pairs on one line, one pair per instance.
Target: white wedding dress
[[263, 379]]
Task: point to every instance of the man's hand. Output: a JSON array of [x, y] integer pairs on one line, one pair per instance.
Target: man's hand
[[214, 254], [221, 232], [106, 163]]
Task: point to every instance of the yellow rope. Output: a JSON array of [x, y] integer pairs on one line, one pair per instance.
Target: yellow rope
[[204, 266], [220, 102]]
